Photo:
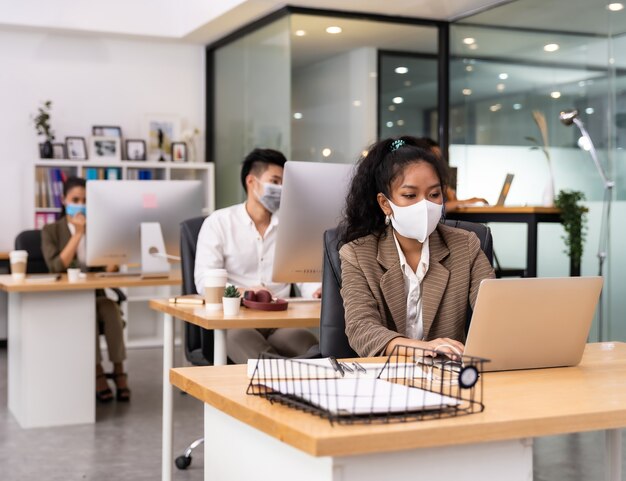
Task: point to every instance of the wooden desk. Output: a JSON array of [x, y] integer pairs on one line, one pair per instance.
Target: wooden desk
[[306, 314], [51, 343], [493, 445], [531, 216]]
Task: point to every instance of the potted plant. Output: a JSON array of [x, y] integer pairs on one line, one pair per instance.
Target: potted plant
[[73, 271], [574, 220], [42, 125], [231, 300]]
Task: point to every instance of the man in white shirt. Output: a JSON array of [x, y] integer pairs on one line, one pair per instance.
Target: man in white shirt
[[241, 239]]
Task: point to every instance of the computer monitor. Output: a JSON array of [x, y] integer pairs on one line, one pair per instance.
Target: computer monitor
[[121, 214], [312, 201]]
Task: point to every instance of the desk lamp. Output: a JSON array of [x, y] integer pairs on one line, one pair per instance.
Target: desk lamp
[[569, 117]]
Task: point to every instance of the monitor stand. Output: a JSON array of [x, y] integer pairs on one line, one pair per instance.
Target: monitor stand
[[154, 262]]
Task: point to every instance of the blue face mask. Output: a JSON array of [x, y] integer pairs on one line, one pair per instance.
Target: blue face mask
[[75, 209]]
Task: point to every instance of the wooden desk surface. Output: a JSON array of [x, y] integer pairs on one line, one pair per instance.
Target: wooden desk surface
[[590, 396], [501, 209], [90, 282], [301, 314]]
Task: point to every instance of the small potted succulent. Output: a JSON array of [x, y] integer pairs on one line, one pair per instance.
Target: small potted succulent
[[73, 271], [231, 300]]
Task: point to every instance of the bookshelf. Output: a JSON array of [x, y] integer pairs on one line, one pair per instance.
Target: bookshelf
[[144, 326]]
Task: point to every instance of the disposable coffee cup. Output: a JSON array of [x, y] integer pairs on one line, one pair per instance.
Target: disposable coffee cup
[[214, 285], [73, 275], [18, 260]]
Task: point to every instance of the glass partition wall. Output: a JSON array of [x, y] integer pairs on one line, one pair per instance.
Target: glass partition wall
[[514, 65]]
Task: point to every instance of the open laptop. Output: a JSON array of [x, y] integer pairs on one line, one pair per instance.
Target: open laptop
[[533, 322], [505, 189]]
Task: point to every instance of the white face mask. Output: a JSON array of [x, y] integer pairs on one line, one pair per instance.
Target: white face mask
[[416, 221], [270, 199]]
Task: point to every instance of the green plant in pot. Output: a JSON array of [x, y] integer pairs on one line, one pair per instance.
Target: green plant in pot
[[231, 301], [231, 291], [42, 125], [574, 220]]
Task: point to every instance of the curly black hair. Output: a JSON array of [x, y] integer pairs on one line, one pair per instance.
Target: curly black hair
[[376, 170]]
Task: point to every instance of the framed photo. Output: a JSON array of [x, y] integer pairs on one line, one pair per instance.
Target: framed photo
[[106, 148], [179, 152], [106, 131], [161, 131], [135, 149], [58, 151], [76, 148]]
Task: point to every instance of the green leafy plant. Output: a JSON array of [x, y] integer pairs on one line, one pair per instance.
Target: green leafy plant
[[231, 291], [42, 121], [574, 220], [74, 264]]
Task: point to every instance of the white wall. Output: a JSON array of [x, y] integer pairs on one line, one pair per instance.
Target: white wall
[[91, 80], [337, 99]]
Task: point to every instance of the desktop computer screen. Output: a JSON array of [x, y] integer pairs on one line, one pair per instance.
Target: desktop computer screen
[[312, 201], [117, 209]]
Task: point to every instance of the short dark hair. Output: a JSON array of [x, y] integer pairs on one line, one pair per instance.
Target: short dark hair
[[72, 182], [383, 162], [257, 162]]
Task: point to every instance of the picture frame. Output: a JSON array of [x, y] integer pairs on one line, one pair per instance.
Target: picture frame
[[179, 152], [135, 149], [106, 131], [58, 151], [76, 148], [106, 149], [161, 130]]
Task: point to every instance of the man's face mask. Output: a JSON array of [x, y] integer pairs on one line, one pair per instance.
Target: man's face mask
[[270, 198], [75, 209]]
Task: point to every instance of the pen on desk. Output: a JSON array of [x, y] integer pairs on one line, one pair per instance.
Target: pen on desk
[[345, 366], [359, 367], [336, 366]]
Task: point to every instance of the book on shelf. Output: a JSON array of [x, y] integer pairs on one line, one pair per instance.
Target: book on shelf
[[43, 218], [145, 174]]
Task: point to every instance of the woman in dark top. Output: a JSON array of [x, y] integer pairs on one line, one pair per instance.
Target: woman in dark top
[[63, 244]]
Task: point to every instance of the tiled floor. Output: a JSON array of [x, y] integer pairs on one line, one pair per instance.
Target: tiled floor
[[125, 442]]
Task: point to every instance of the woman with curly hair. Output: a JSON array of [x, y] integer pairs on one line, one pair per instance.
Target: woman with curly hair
[[407, 279]]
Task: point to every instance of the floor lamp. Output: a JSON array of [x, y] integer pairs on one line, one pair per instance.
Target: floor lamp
[[569, 117]]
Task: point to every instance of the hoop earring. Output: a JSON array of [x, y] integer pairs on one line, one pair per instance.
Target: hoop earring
[[387, 219]]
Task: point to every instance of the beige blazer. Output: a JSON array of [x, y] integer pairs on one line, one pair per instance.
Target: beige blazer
[[374, 295]]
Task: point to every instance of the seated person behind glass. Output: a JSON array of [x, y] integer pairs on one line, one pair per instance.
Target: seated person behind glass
[[407, 279], [63, 245], [242, 239]]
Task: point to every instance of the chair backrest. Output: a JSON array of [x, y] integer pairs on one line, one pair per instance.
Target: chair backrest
[[198, 341], [30, 241], [333, 339]]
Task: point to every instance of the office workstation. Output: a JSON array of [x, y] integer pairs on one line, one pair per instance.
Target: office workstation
[[176, 95]]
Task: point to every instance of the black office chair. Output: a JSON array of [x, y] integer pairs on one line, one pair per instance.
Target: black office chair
[[198, 342], [333, 339], [30, 241]]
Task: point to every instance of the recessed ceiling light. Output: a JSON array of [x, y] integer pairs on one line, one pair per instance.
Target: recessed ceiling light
[[555, 94], [469, 40], [589, 110], [300, 33], [297, 115], [326, 152], [473, 46], [551, 47], [495, 107], [503, 76], [389, 124], [391, 108], [517, 106], [500, 87], [401, 70], [334, 30], [467, 91], [615, 7], [469, 68], [400, 122], [356, 103], [397, 100]]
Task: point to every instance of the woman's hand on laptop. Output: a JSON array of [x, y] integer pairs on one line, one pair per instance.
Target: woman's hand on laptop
[[442, 345]]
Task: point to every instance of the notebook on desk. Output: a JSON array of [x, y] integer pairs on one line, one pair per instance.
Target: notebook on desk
[[532, 322]]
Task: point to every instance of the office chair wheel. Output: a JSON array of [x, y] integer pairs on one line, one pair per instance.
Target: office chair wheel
[[183, 462]]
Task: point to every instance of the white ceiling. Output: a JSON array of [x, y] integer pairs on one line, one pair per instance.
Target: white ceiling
[[199, 21]]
